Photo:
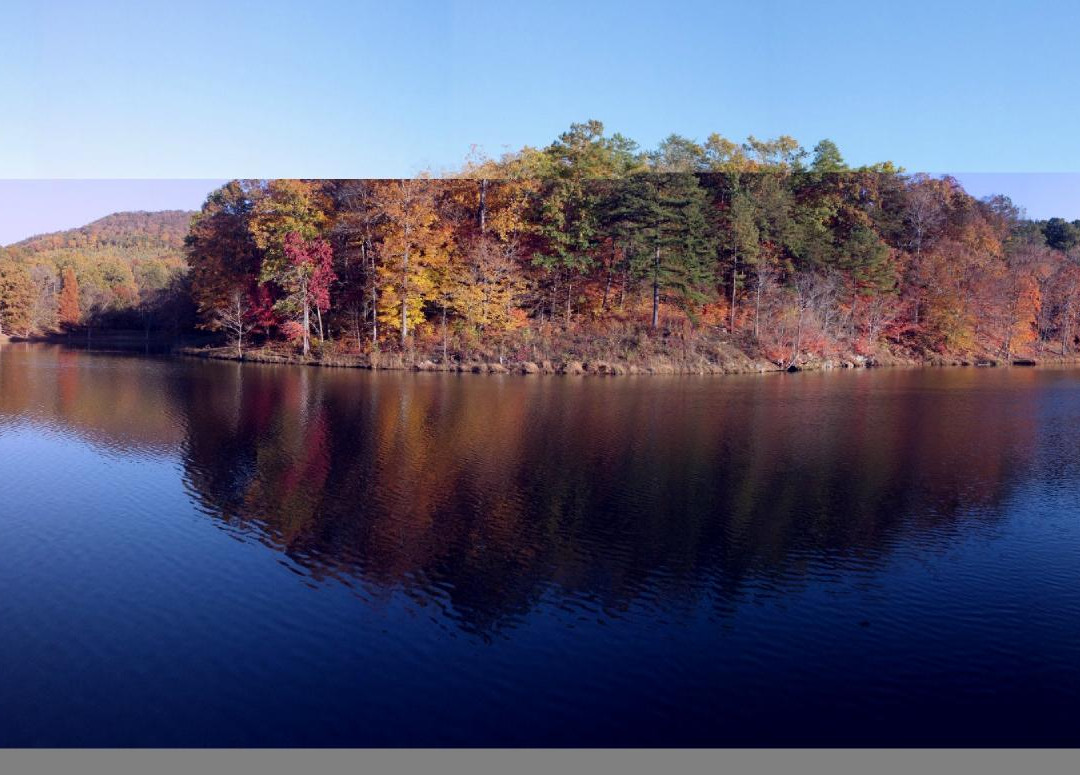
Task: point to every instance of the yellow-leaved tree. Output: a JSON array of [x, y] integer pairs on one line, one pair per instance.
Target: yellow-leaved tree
[[489, 279], [483, 284], [415, 249]]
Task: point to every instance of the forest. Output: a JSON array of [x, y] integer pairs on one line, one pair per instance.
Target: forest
[[124, 271], [692, 256]]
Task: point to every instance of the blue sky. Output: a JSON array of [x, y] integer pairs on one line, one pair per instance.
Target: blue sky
[[212, 90]]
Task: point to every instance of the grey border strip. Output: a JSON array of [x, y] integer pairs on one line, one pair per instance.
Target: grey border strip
[[474, 762]]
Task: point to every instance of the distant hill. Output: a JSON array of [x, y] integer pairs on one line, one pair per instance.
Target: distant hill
[[123, 263], [160, 231]]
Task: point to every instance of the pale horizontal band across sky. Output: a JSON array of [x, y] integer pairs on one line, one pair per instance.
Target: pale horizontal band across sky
[[29, 207]]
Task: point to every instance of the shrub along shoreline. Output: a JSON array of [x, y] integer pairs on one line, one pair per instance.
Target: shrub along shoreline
[[728, 361]]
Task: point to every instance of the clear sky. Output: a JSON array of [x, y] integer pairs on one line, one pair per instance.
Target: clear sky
[[353, 88]]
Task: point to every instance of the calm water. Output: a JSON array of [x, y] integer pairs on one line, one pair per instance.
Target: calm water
[[210, 554]]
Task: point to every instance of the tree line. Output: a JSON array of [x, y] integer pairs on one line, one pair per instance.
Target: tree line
[[592, 247]]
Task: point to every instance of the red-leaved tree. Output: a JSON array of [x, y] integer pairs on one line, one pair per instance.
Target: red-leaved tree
[[306, 280]]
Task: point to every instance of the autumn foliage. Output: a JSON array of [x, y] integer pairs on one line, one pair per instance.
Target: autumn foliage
[[592, 247], [68, 311], [126, 270]]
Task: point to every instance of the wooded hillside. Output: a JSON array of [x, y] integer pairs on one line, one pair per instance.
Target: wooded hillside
[[592, 248], [124, 269], [692, 253]]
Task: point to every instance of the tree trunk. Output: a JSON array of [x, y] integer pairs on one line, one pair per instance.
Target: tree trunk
[[607, 283], [757, 307], [483, 205], [1065, 329], [239, 329], [404, 294], [370, 255], [853, 327], [307, 325], [734, 283], [918, 264], [656, 288], [798, 338], [607, 290]]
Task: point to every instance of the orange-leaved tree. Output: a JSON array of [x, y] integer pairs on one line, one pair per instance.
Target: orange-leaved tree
[[68, 311]]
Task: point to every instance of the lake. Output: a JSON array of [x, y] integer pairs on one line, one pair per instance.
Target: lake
[[201, 553]]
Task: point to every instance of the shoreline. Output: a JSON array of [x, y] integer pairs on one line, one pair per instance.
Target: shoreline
[[597, 367], [395, 362], [735, 361]]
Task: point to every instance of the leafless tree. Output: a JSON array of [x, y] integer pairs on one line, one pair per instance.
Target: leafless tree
[[236, 319]]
